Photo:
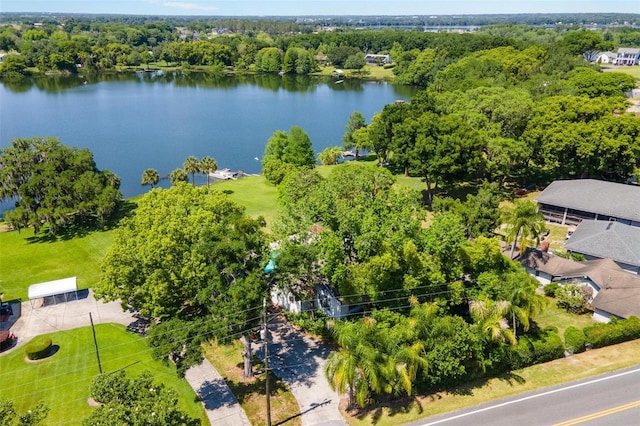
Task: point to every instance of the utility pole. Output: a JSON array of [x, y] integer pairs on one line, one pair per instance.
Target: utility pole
[[266, 361], [95, 343]]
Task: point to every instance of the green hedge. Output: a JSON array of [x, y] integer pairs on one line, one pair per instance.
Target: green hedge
[[550, 289], [38, 348], [536, 349], [574, 339], [611, 333]]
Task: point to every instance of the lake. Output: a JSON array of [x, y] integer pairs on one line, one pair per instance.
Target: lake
[[135, 121]]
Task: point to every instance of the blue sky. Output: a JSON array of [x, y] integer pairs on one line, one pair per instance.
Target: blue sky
[[318, 7]]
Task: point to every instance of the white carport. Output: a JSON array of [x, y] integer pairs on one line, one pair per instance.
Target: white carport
[[64, 286]]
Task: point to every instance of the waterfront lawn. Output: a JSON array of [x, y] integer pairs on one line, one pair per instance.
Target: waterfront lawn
[[62, 381], [250, 393], [255, 193], [26, 261]]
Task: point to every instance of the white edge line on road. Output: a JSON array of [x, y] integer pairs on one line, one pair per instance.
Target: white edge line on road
[[532, 397]]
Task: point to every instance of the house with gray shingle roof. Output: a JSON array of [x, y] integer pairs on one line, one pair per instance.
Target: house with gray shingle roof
[[568, 202], [616, 292], [597, 239]]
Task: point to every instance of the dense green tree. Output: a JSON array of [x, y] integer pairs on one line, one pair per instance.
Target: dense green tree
[[33, 417], [594, 84], [480, 213], [55, 185], [298, 150], [191, 256], [150, 177], [355, 122], [274, 149], [138, 400], [586, 43], [355, 62], [269, 59]]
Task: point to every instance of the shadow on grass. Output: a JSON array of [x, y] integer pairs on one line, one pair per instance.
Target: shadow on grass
[[388, 409], [84, 228], [245, 390]]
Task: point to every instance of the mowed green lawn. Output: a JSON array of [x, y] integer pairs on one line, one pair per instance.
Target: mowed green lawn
[[24, 262], [63, 380], [255, 193]]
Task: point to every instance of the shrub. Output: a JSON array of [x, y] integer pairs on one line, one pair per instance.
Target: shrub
[[536, 349], [275, 170], [303, 320], [551, 289], [574, 339], [38, 348], [605, 334], [571, 298]]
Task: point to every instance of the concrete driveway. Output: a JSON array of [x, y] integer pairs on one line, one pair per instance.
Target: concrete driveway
[[299, 361], [43, 316]]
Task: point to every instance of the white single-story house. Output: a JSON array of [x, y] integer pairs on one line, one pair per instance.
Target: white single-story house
[[606, 57], [615, 292]]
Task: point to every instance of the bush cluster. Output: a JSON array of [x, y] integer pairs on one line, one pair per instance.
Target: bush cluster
[[536, 349], [574, 339], [616, 331], [550, 289], [39, 348], [303, 320]]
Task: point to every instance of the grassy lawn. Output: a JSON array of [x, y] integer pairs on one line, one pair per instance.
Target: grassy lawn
[[62, 381], [578, 366], [633, 71], [227, 359], [253, 192], [25, 261], [557, 317]]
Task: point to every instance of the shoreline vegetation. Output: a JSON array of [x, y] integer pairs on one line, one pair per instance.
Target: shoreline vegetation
[[369, 72]]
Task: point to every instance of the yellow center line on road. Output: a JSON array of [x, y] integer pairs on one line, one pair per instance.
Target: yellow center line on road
[[599, 414]]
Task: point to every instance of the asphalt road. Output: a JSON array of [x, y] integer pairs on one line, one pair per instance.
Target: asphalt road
[[609, 399]]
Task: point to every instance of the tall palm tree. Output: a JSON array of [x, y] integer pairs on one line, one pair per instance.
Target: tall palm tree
[[524, 302], [329, 156], [358, 367], [208, 165], [177, 176], [489, 319], [150, 177], [524, 223], [192, 166]]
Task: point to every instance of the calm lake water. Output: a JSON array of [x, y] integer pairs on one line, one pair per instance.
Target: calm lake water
[[131, 122]]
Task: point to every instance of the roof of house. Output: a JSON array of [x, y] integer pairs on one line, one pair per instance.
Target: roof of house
[[606, 239], [631, 50], [619, 290], [596, 196]]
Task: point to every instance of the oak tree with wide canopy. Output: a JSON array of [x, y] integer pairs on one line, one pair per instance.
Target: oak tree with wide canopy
[[55, 185], [192, 259]]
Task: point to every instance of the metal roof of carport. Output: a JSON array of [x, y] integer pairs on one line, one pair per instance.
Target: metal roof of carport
[[52, 288]]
